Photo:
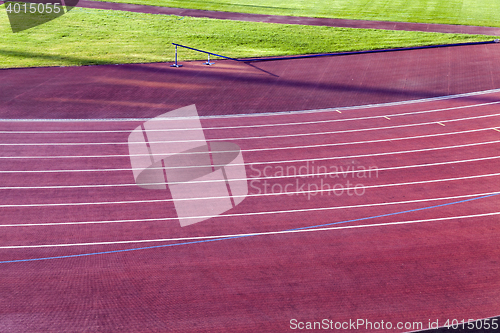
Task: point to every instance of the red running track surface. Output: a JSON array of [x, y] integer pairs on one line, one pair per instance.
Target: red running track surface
[[427, 264]]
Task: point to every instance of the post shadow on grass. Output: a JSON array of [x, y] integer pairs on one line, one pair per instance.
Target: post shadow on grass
[[31, 13]]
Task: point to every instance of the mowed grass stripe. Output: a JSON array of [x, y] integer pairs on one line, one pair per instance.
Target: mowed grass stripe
[[466, 12], [92, 36]]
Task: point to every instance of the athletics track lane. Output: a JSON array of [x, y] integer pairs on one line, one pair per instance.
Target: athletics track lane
[[144, 91], [329, 22], [414, 271]]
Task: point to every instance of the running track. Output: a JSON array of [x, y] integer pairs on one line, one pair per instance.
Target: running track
[[420, 242], [329, 22]]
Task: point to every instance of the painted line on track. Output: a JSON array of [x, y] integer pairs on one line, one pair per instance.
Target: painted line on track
[[312, 175], [321, 227], [256, 138], [158, 168], [255, 125], [259, 213], [242, 235], [267, 114], [284, 148]]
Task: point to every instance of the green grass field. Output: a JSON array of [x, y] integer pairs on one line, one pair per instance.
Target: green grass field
[[467, 12], [89, 36]]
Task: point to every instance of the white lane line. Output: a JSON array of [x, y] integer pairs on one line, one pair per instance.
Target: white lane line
[[318, 209], [254, 137], [340, 174], [251, 234], [256, 125], [304, 192], [272, 114], [323, 145], [365, 155]]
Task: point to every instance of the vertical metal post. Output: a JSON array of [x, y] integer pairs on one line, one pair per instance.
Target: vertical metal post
[[208, 62], [176, 64]]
